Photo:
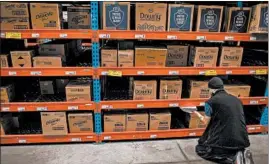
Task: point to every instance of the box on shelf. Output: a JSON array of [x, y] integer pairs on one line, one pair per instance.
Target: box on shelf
[[54, 50], [45, 16], [180, 17], [61, 84], [14, 23], [11, 9], [7, 93], [199, 89], [4, 60], [145, 90], [114, 122], [109, 58], [126, 58], [116, 15], [209, 18], [177, 55], [2, 132], [46, 87], [80, 122], [47, 61], [203, 56], [79, 17], [238, 90], [137, 122], [150, 16], [231, 56], [259, 19], [170, 89], [78, 90], [21, 58], [195, 122], [159, 120], [150, 57], [54, 123]]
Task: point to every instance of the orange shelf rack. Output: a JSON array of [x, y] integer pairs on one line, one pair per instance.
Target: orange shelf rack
[[57, 71], [46, 106], [40, 138]]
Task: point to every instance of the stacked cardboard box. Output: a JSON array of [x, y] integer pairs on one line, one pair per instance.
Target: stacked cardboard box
[[21, 58], [177, 55], [7, 93], [203, 56], [144, 90], [231, 56], [114, 122], [109, 57], [195, 121], [54, 123], [80, 122], [79, 17], [259, 19], [150, 57], [126, 58], [46, 87], [160, 120], [238, 90], [137, 122], [4, 60], [199, 89], [78, 90], [170, 89]]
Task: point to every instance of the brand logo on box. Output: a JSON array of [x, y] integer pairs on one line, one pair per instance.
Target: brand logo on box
[[79, 19], [210, 19], [79, 124], [240, 20], [170, 91], [175, 55], [205, 57], [143, 92], [227, 57], [116, 16], [180, 18], [53, 121], [43, 16]]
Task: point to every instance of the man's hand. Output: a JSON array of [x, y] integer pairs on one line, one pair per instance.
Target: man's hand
[[201, 117]]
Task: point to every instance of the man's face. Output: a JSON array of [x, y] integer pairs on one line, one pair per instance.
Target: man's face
[[211, 91]]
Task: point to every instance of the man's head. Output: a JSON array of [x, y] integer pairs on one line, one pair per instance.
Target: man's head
[[215, 84]]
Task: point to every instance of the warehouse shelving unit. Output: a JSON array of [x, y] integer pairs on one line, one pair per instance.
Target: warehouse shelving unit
[[96, 72]]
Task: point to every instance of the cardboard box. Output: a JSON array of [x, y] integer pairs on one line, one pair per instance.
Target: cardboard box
[[46, 87], [259, 19], [14, 23], [145, 90], [126, 58], [53, 50], [238, 90], [114, 122], [177, 55], [2, 129], [203, 56], [150, 16], [61, 84], [4, 60], [47, 61], [109, 58], [180, 17], [150, 57], [170, 89], [199, 89], [159, 120], [195, 122], [45, 16], [80, 122], [78, 90], [79, 17], [116, 15], [231, 56], [21, 58], [137, 122], [54, 123], [7, 93], [10, 9], [209, 18]]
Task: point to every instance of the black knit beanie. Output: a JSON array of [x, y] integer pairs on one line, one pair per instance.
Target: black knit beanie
[[215, 83]]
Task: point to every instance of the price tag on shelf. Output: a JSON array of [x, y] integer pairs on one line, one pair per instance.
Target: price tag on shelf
[[153, 136], [3, 35], [252, 71], [22, 141], [253, 102], [70, 72], [173, 105], [89, 137], [63, 35], [252, 38], [261, 72], [107, 107], [35, 73], [20, 109], [173, 72], [228, 38], [251, 128], [202, 103], [104, 36], [140, 72], [104, 73], [5, 109], [192, 134], [75, 139], [35, 35], [107, 137], [72, 107], [13, 35], [114, 73], [201, 72], [200, 37], [140, 105], [41, 108], [140, 36], [171, 37], [211, 73], [229, 72], [12, 73]]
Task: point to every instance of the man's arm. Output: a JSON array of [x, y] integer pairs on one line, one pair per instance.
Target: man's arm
[[208, 112]]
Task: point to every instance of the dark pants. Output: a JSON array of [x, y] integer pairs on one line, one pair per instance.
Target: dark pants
[[217, 155]]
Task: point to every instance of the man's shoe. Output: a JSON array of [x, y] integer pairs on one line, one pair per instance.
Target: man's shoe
[[239, 158], [248, 157]]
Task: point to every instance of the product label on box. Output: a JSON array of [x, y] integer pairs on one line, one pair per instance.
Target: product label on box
[[117, 16], [180, 18], [239, 20], [210, 19], [264, 17]]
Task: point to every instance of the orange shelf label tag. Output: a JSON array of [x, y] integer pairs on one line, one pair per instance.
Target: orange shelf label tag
[[114, 73], [13, 35], [210, 72], [261, 72]]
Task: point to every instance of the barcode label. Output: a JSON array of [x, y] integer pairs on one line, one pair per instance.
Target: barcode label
[[252, 71], [5, 109], [140, 72], [173, 72], [192, 134], [253, 102], [72, 107], [253, 38], [35, 73], [201, 72], [41, 108], [12, 73], [173, 105], [21, 141], [228, 38], [202, 103], [104, 73], [200, 37], [20, 109], [75, 139], [35, 35], [171, 37], [3, 35], [251, 128], [63, 35], [104, 36], [70, 72], [153, 136], [140, 36], [106, 106], [229, 72], [140, 105], [107, 137]]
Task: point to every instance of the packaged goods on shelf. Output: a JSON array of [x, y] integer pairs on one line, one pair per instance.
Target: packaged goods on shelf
[[47, 61], [2, 132], [46, 87], [4, 60], [21, 58], [195, 121], [61, 84], [170, 89], [116, 15], [150, 57], [238, 90], [180, 17], [126, 58], [7, 93], [78, 90], [109, 57], [150, 16], [79, 17], [114, 122], [203, 56], [177, 55], [54, 49], [145, 90], [259, 19], [80, 122], [8, 125], [14, 23], [231, 56], [209, 18], [159, 120], [45, 16], [199, 89], [54, 123], [137, 121]]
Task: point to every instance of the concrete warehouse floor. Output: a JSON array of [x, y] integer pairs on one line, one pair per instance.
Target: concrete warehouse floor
[[180, 151]]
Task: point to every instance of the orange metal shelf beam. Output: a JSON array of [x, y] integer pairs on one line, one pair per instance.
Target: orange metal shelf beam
[[40, 138], [46, 106], [34, 71]]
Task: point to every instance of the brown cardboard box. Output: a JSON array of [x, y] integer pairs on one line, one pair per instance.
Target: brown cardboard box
[[2, 129], [79, 17], [238, 90], [231, 56], [177, 55], [10, 9], [259, 19], [199, 89], [109, 58], [7, 93], [150, 57], [145, 90], [126, 58], [54, 123], [47, 61], [150, 16], [4, 60], [45, 16], [80, 122], [78, 90], [137, 122], [195, 122], [22, 58], [14, 23], [203, 56], [114, 122], [159, 120], [53, 49], [170, 89]]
